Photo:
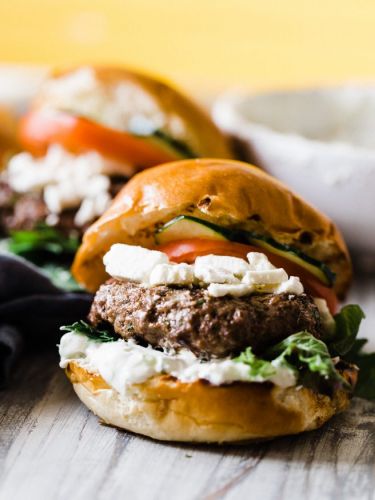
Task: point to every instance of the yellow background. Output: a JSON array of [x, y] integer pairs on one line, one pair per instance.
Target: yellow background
[[260, 43]]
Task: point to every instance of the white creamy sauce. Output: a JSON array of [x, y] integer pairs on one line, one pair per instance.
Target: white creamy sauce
[[221, 275], [66, 181], [121, 363]]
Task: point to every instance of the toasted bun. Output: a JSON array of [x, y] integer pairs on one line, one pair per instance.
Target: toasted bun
[[225, 192], [8, 126], [133, 94], [166, 409]]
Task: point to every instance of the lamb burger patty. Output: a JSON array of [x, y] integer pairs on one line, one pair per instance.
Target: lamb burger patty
[[176, 317]]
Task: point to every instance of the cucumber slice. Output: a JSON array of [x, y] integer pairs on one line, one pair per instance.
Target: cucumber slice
[[318, 269], [186, 226], [145, 129], [175, 146]]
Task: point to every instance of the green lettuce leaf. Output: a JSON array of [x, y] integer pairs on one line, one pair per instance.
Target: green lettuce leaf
[[57, 270], [365, 387], [312, 358], [345, 344], [304, 352], [96, 334], [347, 322], [43, 238], [301, 353], [47, 249]]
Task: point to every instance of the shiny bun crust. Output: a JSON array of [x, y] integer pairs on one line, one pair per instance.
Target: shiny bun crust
[[225, 192], [195, 126], [8, 132], [165, 409]]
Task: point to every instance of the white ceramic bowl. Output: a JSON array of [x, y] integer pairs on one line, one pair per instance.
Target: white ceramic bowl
[[319, 142]]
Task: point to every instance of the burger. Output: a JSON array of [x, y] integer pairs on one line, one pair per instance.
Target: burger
[[215, 317], [88, 131]]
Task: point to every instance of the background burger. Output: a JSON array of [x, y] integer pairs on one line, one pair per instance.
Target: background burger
[[88, 131], [213, 316]]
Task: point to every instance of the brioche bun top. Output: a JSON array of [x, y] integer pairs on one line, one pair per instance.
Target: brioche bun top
[[225, 192], [8, 132], [114, 97]]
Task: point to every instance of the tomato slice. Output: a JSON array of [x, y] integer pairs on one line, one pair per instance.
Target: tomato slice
[[188, 250], [40, 128]]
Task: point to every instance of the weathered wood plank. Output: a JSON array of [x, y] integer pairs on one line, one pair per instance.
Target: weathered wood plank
[[52, 447]]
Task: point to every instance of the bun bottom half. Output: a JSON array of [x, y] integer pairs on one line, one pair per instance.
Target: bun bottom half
[[166, 409]]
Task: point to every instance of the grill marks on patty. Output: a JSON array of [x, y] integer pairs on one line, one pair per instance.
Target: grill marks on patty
[[172, 318]]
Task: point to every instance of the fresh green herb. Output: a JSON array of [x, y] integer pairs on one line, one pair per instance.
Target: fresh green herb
[[257, 367], [365, 387], [96, 334], [347, 326], [42, 238]]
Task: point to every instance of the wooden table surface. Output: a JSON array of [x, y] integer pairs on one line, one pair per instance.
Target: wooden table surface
[[51, 447]]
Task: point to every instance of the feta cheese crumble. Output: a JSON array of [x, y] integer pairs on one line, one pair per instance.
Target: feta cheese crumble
[[132, 263], [82, 93], [66, 181], [220, 269], [167, 274], [235, 290], [222, 275]]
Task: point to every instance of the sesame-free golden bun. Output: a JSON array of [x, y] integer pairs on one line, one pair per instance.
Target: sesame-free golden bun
[[167, 409], [8, 133], [136, 94], [225, 192]]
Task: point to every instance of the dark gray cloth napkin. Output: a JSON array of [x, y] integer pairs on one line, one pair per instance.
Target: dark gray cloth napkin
[[32, 310]]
